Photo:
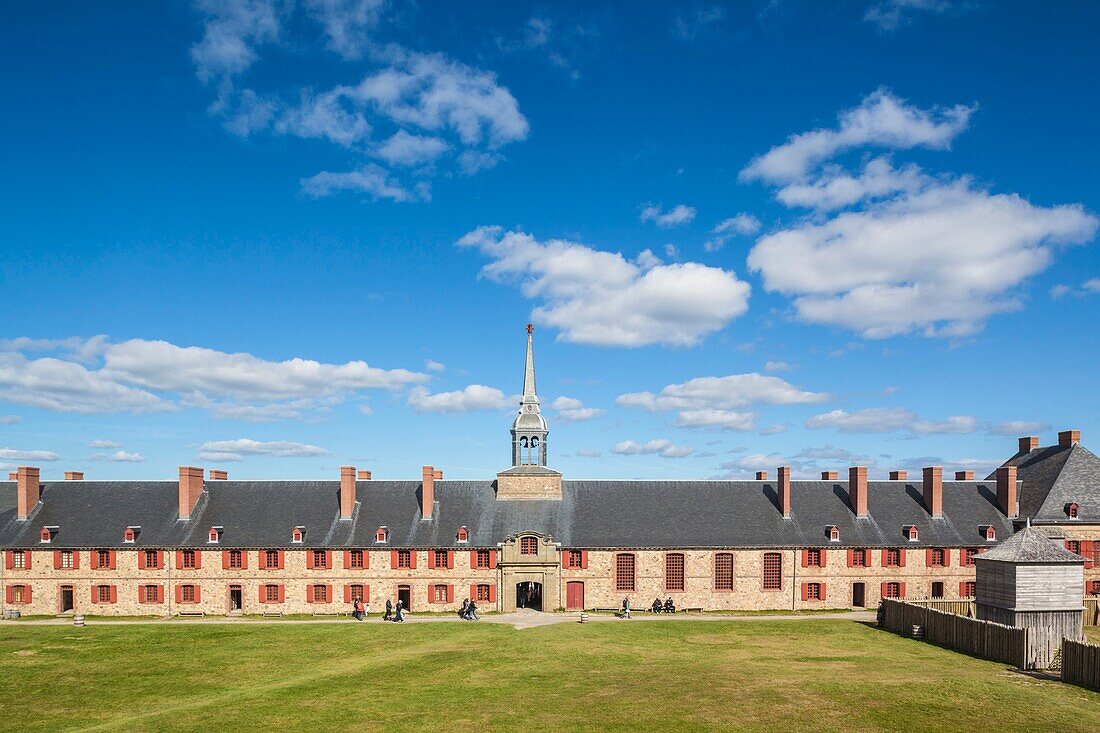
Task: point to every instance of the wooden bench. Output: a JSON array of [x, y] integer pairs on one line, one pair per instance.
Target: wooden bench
[[272, 614], [689, 610], [191, 614], [333, 614]]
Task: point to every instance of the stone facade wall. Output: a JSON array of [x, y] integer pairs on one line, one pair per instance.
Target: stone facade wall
[[535, 486], [383, 580]]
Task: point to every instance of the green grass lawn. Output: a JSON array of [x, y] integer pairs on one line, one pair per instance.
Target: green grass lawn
[[822, 674]]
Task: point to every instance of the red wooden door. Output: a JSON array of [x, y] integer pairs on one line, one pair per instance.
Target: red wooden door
[[574, 595]]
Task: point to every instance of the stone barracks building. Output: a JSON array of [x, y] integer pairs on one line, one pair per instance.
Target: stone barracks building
[[207, 544]]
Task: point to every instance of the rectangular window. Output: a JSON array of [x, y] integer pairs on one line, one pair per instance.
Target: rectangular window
[[893, 558], [320, 559], [624, 572], [1074, 546], [271, 593], [151, 558], [483, 594], [103, 593], [357, 593], [67, 559], [575, 559], [723, 571], [674, 571], [236, 559], [148, 594], [19, 560], [937, 590], [271, 558], [813, 591], [439, 559], [103, 559], [1094, 587], [404, 558], [189, 559], [528, 545], [893, 590], [968, 554], [439, 594], [187, 594], [320, 593], [773, 571], [860, 558], [484, 558], [939, 557], [19, 594], [813, 558], [968, 589], [356, 558]]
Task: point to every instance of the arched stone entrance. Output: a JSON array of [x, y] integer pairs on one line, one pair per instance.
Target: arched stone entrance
[[529, 595], [530, 573]]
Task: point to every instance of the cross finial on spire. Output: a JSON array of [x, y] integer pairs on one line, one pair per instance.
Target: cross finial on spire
[[530, 328]]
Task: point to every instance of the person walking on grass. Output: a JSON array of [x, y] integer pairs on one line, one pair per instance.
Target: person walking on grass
[[389, 610], [399, 616], [471, 612], [357, 606], [462, 614]]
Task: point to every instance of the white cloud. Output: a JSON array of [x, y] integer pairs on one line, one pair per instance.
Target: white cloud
[[9, 419], [1017, 428], [232, 30], [777, 366], [1092, 285], [589, 453], [366, 410], [742, 224], [14, 454], [601, 298], [346, 23], [324, 116], [370, 179], [119, 456], [712, 418], [103, 444], [888, 420], [674, 217], [690, 23], [882, 120], [1059, 291], [405, 149], [729, 392], [936, 255], [434, 366], [473, 397], [236, 450], [774, 429], [661, 447], [570, 409], [140, 376], [889, 15]]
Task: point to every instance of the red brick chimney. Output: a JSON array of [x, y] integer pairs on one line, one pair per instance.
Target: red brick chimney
[[857, 489], [217, 474], [1006, 491], [784, 489], [74, 475], [191, 486], [13, 475], [933, 490], [427, 491], [347, 491], [899, 475], [1029, 443], [829, 475], [761, 475], [1066, 438], [439, 474], [364, 475], [28, 490], [964, 475]]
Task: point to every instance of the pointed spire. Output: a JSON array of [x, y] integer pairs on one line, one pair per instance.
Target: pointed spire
[[529, 395]]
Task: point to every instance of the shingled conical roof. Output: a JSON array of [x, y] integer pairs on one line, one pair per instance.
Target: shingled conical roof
[[1030, 545]]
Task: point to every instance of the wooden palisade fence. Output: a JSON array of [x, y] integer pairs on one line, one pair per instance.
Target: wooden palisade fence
[[1081, 664], [1092, 612], [984, 639]]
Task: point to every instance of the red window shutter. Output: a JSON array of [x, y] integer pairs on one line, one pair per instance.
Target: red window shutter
[[309, 593], [946, 557], [76, 560], [282, 562], [805, 586], [244, 560], [179, 594], [160, 594], [366, 593], [851, 562], [901, 590], [824, 558], [883, 558], [565, 558], [473, 559], [431, 596], [393, 559], [450, 559], [962, 556], [9, 559], [57, 559], [309, 559], [1086, 550], [9, 594], [412, 559], [95, 592], [823, 591], [473, 591], [805, 562], [225, 559], [179, 559], [282, 593], [928, 558], [141, 561], [328, 593], [347, 592], [492, 559], [347, 565], [882, 591], [493, 593], [198, 559], [431, 558], [114, 594], [28, 592], [450, 593], [901, 559], [962, 589], [93, 560], [328, 559], [261, 563], [198, 594], [263, 590]]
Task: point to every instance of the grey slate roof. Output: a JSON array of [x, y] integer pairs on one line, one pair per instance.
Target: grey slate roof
[[1030, 545], [591, 514], [1055, 476]]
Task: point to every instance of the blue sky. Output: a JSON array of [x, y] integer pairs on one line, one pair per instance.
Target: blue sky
[[280, 237]]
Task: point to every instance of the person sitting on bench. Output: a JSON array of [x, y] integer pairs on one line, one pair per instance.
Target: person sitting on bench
[[670, 607], [656, 607], [624, 612]]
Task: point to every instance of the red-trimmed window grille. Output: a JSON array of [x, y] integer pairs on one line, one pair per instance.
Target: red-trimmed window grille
[[320, 558], [103, 593], [939, 557], [860, 558], [187, 594], [188, 557], [357, 592], [19, 594], [462, 535], [968, 589], [893, 590], [624, 572], [674, 571], [439, 560], [483, 593], [484, 558], [19, 559], [271, 593], [528, 545], [893, 557], [574, 559], [813, 591], [236, 559], [356, 558], [148, 594], [151, 558], [319, 593], [723, 571], [1071, 511], [271, 559], [66, 559], [439, 594], [813, 558], [404, 558], [1094, 587], [103, 559], [773, 571], [381, 534], [968, 555], [1074, 546]]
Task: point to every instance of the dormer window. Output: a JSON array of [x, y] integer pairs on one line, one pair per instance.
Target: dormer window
[[214, 535], [130, 534], [1072, 509], [911, 533], [298, 535], [382, 535], [834, 533], [46, 535], [528, 545], [989, 532], [462, 535]]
